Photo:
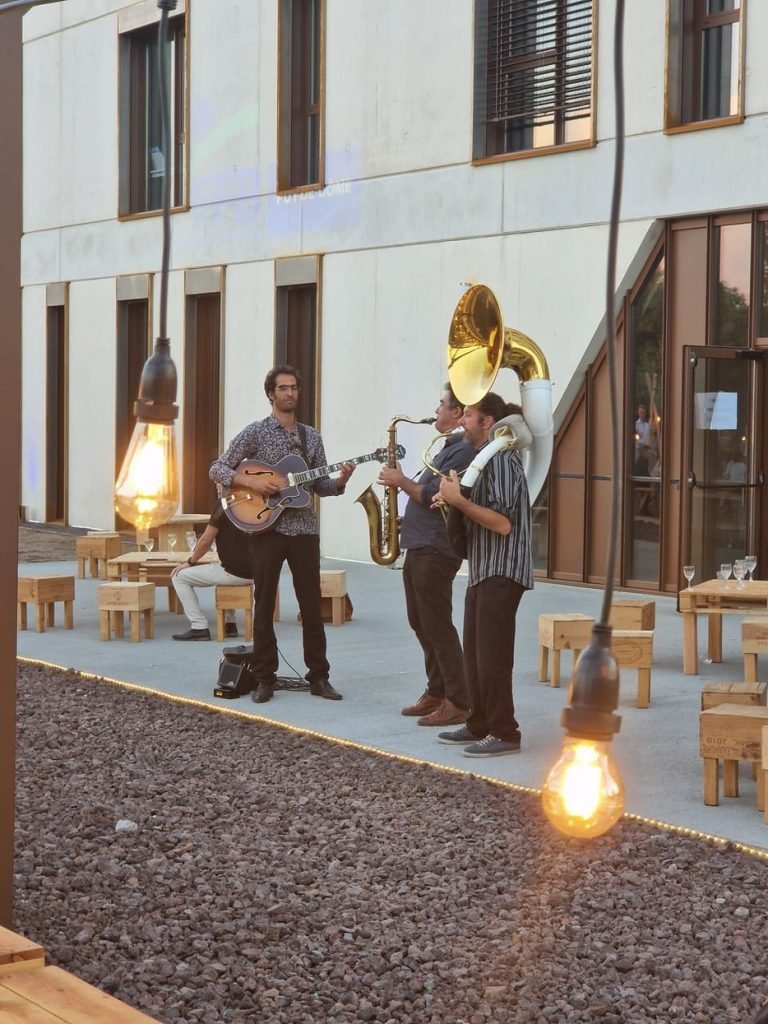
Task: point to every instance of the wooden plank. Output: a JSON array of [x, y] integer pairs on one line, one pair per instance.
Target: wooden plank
[[16, 1009], [733, 693], [17, 952], [732, 732], [69, 999]]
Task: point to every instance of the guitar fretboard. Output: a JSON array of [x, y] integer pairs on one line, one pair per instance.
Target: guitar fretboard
[[315, 474]]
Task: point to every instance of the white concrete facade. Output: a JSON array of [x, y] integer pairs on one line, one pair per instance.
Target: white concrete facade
[[405, 217]]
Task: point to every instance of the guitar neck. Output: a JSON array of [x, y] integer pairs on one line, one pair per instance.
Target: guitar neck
[[315, 474]]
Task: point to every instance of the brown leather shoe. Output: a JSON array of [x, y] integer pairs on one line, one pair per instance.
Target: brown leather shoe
[[423, 706], [446, 714]]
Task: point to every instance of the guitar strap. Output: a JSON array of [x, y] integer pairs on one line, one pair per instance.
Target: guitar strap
[[303, 441]]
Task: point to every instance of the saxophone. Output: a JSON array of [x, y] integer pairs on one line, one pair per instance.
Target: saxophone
[[383, 520]]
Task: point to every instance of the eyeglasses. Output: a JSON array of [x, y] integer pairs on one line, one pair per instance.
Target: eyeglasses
[[287, 387]]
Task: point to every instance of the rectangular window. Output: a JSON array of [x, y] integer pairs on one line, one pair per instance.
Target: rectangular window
[[132, 352], [534, 82], [56, 415], [731, 250], [296, 341], [704, 62], [143, 164], [300, 88], [202, 406]]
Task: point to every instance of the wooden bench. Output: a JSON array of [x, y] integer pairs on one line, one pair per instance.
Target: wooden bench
[[754, 641], [633, 615], [559, 633], [115, 599], [31, 993], [43, 592], [731, 733], [633, 648], [96, 549]]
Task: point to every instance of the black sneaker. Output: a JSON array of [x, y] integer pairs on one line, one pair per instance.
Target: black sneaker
[[460, 736], [492, 746], [230, 629], [193, 634]]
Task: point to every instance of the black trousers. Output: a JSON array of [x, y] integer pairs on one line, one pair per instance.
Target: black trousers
[[489, 656], [303, 556], [428, 578]]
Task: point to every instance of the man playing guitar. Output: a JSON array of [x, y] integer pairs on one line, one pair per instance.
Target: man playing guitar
[[294, 536]]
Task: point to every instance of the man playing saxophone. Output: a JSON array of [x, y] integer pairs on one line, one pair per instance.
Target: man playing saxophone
[[428, 573]]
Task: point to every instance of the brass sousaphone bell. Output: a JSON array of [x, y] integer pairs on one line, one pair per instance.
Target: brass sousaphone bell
[[479, 345]]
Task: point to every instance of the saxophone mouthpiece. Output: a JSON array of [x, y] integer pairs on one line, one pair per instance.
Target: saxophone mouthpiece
[[429, 419]]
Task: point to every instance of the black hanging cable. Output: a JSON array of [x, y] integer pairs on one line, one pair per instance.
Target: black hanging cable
[[610, 304]]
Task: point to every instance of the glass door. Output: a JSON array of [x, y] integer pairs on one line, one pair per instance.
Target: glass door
[[722, 449]]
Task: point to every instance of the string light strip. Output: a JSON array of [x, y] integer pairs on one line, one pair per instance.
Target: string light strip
[[516, 787]]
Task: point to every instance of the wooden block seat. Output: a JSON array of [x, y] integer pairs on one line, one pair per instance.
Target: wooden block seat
[[43, 592], [754, 641], [733, 693], [558, 633], [336, 604], [137, 599], [238, 597], [633, 648], [18, 953], [96, 549], [633, 615], [731, 733]]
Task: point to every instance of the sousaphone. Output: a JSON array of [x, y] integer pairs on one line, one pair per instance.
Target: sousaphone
[[479, 345]]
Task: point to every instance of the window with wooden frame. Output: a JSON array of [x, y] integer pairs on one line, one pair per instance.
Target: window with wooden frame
[[705, 58], [300, 93], [534, 76], [143, 164], [296, 326]]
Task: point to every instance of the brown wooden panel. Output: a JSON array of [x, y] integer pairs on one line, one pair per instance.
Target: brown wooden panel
[[599, 527], [570, 444], [567, 556]]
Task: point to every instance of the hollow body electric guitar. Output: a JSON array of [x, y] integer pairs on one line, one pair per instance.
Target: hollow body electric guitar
[[255, 513]]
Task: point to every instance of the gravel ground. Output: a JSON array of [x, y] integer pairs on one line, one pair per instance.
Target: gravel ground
[[43, 543], [207, 868]]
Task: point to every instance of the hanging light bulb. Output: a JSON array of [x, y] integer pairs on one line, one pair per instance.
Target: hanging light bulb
[[147, 488], [583, 794]]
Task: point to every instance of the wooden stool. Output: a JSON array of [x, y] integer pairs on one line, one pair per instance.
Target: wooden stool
[[754, 641], [138, 599], [633, 615], [733, 733], [234, 596], [97, 549], [633, 648], [558, 633], [733, 693], [333, 590], [43, 592]]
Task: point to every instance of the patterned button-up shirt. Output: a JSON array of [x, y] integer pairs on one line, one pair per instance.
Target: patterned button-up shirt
[[502, 487], [268, 441]]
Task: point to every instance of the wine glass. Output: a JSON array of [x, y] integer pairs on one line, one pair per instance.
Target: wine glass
[[171, 541], [689, 571], [191, 538], [740, 571], [751, 563], [726, 569], [149, 543]]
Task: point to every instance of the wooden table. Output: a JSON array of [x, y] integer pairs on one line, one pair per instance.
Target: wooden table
[[154, 567], [714, 599]]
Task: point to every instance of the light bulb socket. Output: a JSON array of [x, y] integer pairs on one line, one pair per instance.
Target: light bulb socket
[[157, 389], [594, 692]]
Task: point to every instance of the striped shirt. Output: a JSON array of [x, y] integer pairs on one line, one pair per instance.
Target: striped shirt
[[502, 487], [268, 441]]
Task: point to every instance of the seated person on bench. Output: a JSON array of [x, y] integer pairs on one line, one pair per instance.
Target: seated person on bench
[[234, 567]]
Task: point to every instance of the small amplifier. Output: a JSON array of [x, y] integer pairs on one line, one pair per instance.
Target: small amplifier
[[235, 680]]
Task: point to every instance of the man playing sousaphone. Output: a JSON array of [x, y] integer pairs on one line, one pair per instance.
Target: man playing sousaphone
[[294, 537], [428, 573], [497, 524]]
